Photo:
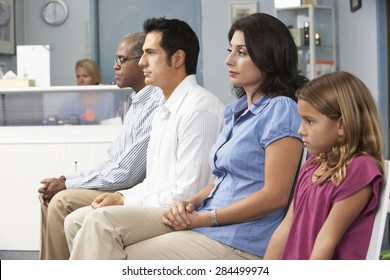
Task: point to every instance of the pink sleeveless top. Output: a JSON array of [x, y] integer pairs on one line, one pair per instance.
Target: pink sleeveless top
[[312, 204]]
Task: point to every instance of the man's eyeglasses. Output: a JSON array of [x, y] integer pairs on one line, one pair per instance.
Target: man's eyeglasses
[[121, 60]]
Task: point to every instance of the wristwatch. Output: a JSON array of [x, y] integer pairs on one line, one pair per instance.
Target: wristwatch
[[214, 221]]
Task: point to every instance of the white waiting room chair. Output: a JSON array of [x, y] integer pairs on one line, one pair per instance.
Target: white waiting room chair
[[374, 249], [304, 156]]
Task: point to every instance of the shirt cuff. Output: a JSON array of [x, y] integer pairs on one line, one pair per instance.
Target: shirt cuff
[[132, 200], [73, 175], [72, 183]]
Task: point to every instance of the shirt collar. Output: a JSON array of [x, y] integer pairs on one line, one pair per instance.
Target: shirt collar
[[259, 105], [242, 103], [142, 95], [174, 101]]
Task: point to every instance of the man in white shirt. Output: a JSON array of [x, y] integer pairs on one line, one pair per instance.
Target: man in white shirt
[[186, 125], [126, 163]]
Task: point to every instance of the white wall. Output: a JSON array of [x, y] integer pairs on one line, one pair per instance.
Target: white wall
[[215, 27], [362, 51], [115, 23], [358, 35], [69, 42], [358, 42], [10, 60]]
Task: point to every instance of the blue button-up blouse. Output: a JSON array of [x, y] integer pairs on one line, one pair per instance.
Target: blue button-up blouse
[[237, 160]]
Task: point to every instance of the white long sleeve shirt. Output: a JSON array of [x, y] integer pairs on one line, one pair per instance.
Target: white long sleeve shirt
[[126, 163], [183, 131]]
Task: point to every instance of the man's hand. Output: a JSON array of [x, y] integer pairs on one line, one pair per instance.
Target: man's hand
[[108, 199], [50, 186]]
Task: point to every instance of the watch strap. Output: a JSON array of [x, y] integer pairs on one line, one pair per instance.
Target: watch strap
[[214, 221]]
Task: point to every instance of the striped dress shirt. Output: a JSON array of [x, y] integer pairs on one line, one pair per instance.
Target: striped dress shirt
[[126, 163]]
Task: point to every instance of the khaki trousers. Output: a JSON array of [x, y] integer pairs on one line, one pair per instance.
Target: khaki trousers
[[128, 232], [53, 242]]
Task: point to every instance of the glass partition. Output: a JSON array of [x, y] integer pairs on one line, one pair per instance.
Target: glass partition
[[63, 105]]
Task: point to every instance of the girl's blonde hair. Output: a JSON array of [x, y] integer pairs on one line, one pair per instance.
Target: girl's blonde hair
[[341, 95], [92, 69]]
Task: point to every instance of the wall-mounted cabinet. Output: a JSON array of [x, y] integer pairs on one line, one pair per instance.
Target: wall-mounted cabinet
[[313, 30]]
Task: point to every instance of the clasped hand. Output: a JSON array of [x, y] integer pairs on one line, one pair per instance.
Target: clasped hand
[[181, 216], [50, 186]]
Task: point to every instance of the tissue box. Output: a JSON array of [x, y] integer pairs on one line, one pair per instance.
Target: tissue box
[[16, 83]]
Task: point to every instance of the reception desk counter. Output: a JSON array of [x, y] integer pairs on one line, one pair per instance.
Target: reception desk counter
[[38, 144]]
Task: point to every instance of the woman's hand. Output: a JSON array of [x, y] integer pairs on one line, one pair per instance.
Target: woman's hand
[[181, 216], [178, 214]]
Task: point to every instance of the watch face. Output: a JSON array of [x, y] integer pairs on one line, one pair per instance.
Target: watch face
[[4, 13], [54, 12]]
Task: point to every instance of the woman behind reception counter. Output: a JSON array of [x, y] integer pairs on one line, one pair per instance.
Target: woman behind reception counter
[[88, 107]]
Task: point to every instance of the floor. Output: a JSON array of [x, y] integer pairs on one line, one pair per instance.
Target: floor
[[19, 255]]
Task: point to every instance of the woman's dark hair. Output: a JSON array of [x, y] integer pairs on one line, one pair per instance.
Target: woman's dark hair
[[176, 35], [272, 49]]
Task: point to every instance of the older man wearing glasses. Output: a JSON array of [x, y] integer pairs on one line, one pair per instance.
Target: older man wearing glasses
[[126, 163]]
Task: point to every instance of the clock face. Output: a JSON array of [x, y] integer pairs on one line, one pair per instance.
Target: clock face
[[5, 13], [54, 12]]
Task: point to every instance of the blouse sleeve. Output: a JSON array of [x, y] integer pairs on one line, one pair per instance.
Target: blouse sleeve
[[361, 172], [283, 120]]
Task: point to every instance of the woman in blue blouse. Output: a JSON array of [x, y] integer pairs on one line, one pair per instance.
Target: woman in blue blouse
[[256, 157], [254, 161]]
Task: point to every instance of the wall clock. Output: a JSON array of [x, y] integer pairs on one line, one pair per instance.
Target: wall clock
[[55, 12]]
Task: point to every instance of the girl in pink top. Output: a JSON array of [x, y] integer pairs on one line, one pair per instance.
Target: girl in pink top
[[332, 213]]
